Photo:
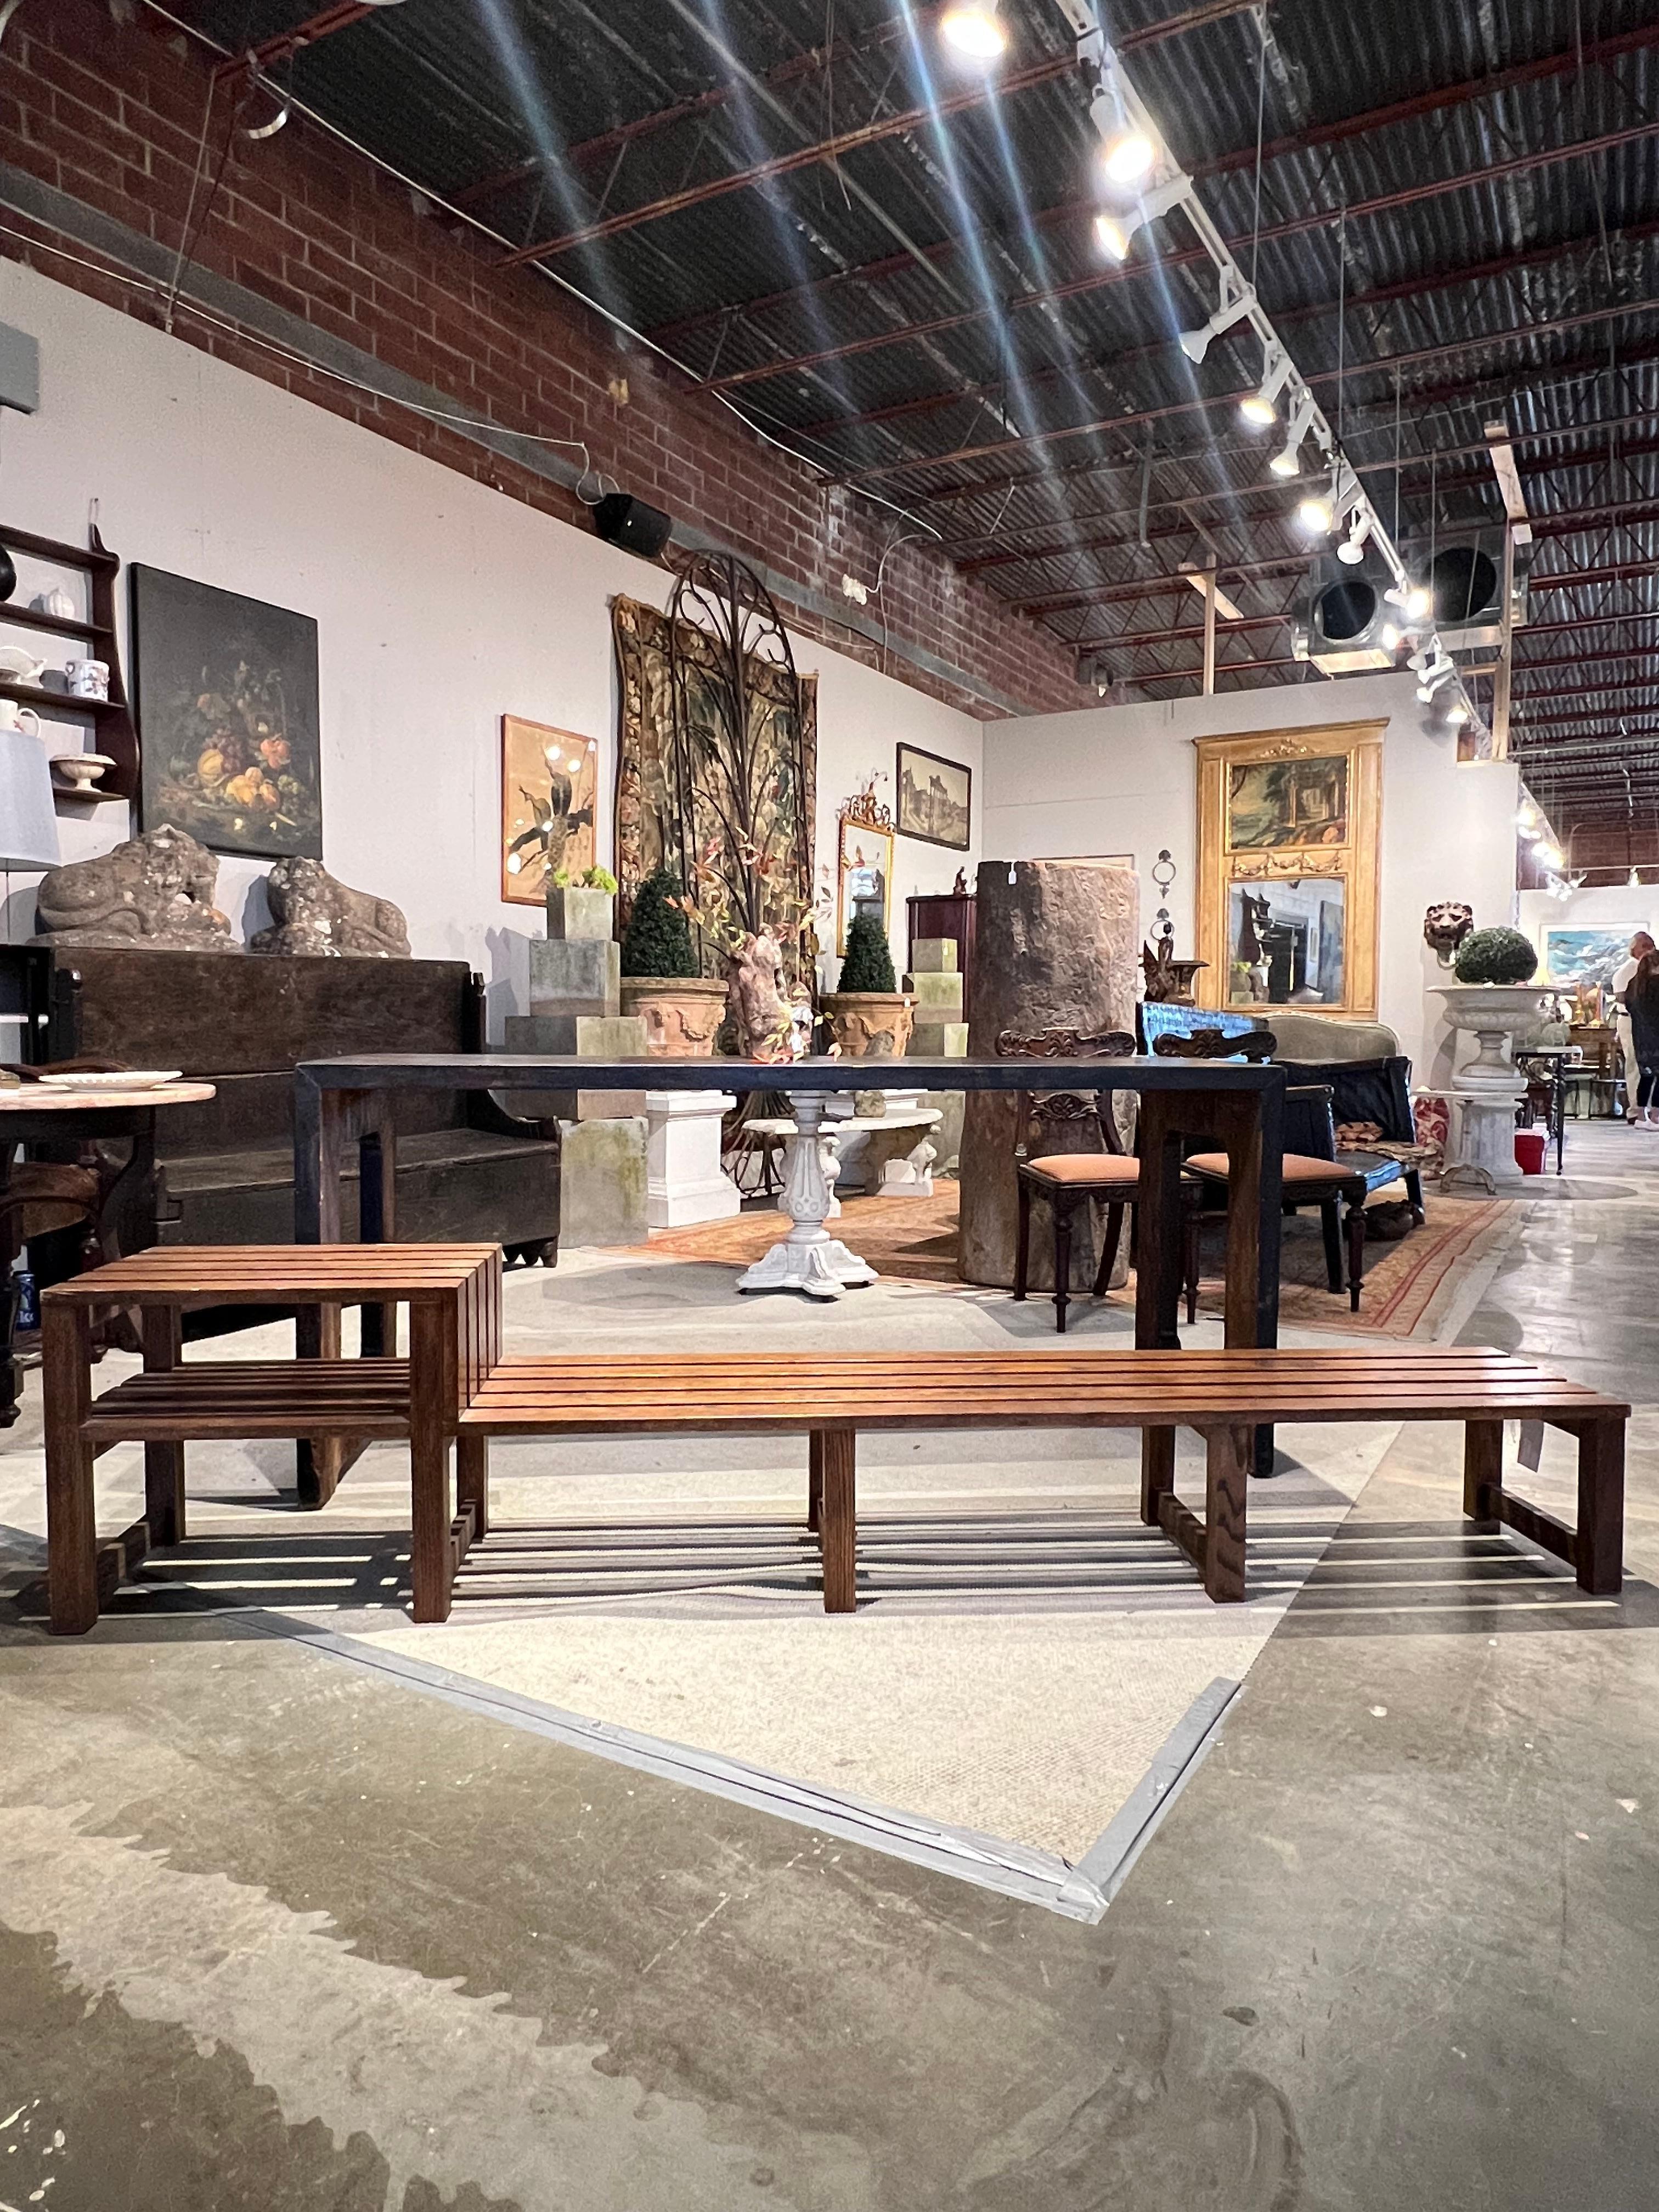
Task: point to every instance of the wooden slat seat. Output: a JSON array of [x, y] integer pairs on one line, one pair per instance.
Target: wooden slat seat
[[831, 1397], [254, 1398]]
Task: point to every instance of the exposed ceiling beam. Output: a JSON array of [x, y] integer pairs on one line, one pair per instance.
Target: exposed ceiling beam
[[1378, 365], [1167, 585], [1156, 266], [1083, 211], [340, 17], [820, 151]]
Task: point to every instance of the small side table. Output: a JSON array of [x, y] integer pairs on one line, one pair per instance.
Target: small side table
[[453, 1292]]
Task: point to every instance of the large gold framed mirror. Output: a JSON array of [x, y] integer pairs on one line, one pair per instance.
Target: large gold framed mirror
[[1288, 830]]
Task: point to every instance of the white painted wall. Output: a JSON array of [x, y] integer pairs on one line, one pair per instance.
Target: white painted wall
[[1124, 779], [441, 605]]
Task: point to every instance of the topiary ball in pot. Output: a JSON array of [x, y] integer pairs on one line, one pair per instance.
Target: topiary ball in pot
[[1496, 956], [659, 937], [868, 965]]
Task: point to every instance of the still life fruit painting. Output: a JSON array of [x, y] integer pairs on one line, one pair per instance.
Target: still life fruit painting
[[227, 717]]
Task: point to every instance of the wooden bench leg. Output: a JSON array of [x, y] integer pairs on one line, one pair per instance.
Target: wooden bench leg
[[1228, 1456], [164, 1464], [1601, 1543], [72, 1528], [1483, 1467], [814, 1480], [473, 1478], [1157, 1455], [838, 1449], [430, 1413]]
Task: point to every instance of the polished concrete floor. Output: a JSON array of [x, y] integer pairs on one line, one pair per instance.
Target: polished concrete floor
[[276, 1933]]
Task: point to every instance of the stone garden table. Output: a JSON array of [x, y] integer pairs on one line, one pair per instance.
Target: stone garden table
[[1231, 1105]]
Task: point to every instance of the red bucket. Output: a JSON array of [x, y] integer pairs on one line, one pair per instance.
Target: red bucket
[[1530, 1145]]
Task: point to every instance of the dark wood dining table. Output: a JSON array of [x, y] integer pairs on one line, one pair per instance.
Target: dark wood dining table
[[1231, 1105]]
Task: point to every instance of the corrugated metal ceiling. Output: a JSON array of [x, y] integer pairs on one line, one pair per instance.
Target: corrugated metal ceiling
[[878, 311]]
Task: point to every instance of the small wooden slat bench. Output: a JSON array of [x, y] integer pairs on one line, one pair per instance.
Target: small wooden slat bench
[[830, 1397], [453, 1292]]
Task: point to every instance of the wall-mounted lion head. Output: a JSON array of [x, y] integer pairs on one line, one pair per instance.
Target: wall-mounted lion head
[[1445, 927]]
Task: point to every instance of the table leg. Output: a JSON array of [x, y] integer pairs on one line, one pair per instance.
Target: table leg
[[322, 1123], [164, 1464], [11, 1374], [809, 1258], [430, 1323], [377, 1213], [1254, 1140], [1158, 1256], [71, 1524]]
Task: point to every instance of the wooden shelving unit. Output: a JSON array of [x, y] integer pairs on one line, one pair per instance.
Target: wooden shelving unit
[[111, 717]]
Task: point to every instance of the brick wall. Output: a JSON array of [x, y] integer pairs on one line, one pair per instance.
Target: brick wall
[[111, 115]]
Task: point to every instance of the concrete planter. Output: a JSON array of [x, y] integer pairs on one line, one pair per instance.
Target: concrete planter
[[578, 912], [682, 1013], [870, 1024]]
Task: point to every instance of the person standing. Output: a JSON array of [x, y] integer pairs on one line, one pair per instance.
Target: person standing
[[1641, 997], [1640, 945]]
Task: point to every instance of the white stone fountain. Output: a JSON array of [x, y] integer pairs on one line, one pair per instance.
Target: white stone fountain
[[1488, 1088]]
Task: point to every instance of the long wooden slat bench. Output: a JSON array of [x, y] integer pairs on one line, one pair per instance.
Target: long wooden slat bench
[[829, 1397]]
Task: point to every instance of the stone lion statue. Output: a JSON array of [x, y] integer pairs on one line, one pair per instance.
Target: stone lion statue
[[155, 892], [756, 999], [1445, 927], [317, 916]]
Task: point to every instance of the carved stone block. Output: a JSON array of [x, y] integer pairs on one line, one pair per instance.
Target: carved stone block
[[319, 917], [153, 892]]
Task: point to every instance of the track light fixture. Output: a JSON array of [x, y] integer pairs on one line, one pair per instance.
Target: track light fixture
[[1314, 515], [1441, 669], [1236, 301], [1127, 152], [1287, 461], [1412, 599], [1633, 881], [1262, 405], [974, 29], [1115, 227], [1352, 550], [1456, 714]]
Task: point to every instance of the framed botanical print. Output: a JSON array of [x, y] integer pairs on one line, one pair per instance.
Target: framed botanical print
[[935, 798], [548, 779], [1289, 824]]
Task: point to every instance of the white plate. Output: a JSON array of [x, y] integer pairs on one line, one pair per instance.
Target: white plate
[[129, 1078]]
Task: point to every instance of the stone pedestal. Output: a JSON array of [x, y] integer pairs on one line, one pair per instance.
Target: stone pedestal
[[602, 1186], [1483, 1138], [683, 1181], [1058, 946], [587, 1036]]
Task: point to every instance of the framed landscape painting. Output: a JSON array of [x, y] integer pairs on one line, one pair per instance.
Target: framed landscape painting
[[935, 798], [230, 745], [549, 780], [1587, 956]]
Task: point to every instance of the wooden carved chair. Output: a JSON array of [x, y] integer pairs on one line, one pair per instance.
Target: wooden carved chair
[[1065, 1180], [1315, 1175]]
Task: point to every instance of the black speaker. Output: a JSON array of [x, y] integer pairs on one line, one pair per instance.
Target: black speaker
[[623, 521]]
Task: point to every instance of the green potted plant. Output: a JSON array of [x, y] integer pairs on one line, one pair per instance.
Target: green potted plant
[[682, 1010], [1495, 1000], [583, 905], [869, 1016]]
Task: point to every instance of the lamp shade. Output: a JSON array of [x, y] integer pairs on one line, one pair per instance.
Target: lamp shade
[[29, 820]]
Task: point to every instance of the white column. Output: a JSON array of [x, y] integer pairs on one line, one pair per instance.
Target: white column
[[683, 1179]]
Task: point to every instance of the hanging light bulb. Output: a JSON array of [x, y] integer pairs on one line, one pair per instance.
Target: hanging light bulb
[[1287, 461], [1115, 228], [1352, 550], [1262, 405], [974, 29], [1234, 304]]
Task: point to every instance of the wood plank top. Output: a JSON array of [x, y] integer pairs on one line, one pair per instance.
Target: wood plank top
[[53, 1098], [761, 1392], [277, 1274], [524, 1071]]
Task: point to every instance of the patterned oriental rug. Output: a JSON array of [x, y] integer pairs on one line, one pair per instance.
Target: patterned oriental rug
[[915, 1240]]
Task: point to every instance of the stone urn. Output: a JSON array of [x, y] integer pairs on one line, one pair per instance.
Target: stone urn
[[870, 1024], [682, 1013], [1487, 1087]]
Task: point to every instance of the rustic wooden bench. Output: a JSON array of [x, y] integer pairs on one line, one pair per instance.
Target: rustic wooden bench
[[830, 1397], [454, 1293]]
